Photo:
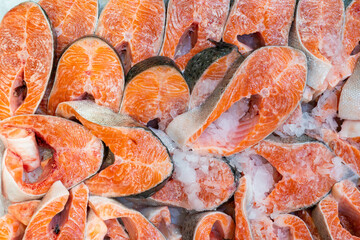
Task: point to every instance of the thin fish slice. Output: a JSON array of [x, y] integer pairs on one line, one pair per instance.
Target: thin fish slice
[[189, 26], [95, 227], [155, 93], [254, 99], [297, 190], [71, 20], [253, 24], [53, 203], [25, 68], [135, 223], [318, 32], [243, 229], [305, 215], [115, 230], [141, 161], [24, 211], [338, 216], [161, 218], [206, 70], [134, 28], [68, 152], [198, 183], [209, 225], [11, 228], [88, 69]]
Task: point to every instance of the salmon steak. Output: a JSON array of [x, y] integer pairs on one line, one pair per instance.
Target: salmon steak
[[88, 69], [95, 228], [253, 99], [198, 183], [253, 224], [330, 41], [161, 218], [318, 172], [209, 225], [115, 230], [305, 215], [190, 25], [134, 28], [39, 151], [11, 228], [61, 214], [155, 92], [180, 119], [206, 69], [71, 20], [25, 68], [140, 162], [241, 198], [337, 216], [24, 211], [252, 24], [135, 223]]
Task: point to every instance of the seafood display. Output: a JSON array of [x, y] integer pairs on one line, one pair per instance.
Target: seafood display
[[180, 119]]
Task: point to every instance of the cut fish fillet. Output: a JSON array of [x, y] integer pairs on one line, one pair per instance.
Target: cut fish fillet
[[11, 228], [253, 23], [24, 211], [135, 223], [69, 153], [141, 161], [155, 93], [161, 218], [134, 28], [52, 204], [198, 183], [95, 227], [88, 69], [206, 70], [209, 225], [254, 99], [302, 189], [25, 68], [71, 20], [338, 215], [243, 229], [189, 26]]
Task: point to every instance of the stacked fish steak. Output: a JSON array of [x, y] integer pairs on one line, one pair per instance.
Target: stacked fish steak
[[180, 119]]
